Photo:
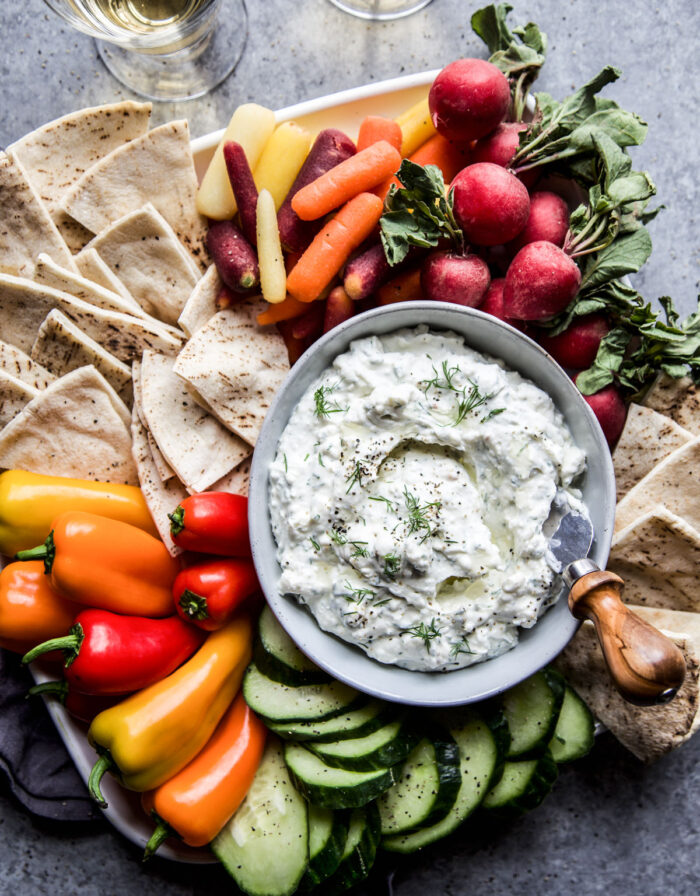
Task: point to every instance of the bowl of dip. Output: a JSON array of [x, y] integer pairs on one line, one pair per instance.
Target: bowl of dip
[[401, 496]]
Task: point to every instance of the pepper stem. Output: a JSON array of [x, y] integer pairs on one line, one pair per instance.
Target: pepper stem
[[104, 764], [162, 832], [57, 689], [194, 605], [177, 520], [45, 552], [70, 645]]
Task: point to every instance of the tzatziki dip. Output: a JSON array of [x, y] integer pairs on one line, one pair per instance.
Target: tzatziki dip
[[409, 496]]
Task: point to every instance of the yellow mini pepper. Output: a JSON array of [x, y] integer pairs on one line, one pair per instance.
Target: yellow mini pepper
[[150, 736], [29, 502]]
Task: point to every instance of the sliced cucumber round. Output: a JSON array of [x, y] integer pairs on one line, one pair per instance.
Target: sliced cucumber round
[[478, 759], [264, 847], [427, 788], [328, 832], [350, 723], [359, 853], [334, 788], [278, 702], [532, 709], [574, 735], [523, 785], [378, 750], [278, 657]]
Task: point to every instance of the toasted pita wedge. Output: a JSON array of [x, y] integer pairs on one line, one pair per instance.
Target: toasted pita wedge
[[647, 438], [19, 365], [157, 167], [194, 443], [14, 396], [72, 428], [150, 261], [672, 621], [161, 497], [27, 228], [61, 346], [48, 273], [650, 731], [165, 471], [93, 268], [200, 307], [677, 399], [24, 305], [674, 482], [236, 482], [236, 366], [658, 556]]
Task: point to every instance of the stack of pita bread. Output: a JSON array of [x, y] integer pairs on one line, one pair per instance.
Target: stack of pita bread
[[115, 362], [656, 550]]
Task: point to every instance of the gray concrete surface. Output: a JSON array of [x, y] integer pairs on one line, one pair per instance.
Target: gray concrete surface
[[610, 824]]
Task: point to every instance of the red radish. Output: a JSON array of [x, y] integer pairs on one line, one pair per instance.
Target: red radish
[[493, 304], [540, 282], [330, 147], [234, 257], [610, 411], [339, 308], [490, 204], [577, 346], [462, 279], [468, 98], [244, 190], [500, 145], [548, 220]]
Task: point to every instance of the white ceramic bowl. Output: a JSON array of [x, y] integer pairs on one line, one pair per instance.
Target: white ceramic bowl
[[538, 645]]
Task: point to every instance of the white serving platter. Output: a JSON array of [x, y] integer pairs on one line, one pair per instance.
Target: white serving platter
[[344, 110]]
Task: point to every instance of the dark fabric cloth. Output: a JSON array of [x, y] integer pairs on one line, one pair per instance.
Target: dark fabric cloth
[[39, 770]]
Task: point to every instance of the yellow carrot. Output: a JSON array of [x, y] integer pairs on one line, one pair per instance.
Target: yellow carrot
[[359, 173], [374, 128], [286, 310], [416, 127], [332, 246], [281, 159], [273, 276]]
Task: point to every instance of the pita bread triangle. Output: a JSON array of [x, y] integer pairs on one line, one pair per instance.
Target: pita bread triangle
[[93, 268], [19, 365], [678, 399], [15, 394]]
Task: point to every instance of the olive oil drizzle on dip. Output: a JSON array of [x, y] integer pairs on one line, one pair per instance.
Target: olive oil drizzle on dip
[[408, 498]]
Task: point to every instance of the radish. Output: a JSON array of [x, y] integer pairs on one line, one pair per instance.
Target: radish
[[500, 145], [493, 304], [468, 99], [548, 220], [577, 346], [462, 279], [540, 282], [610, 411], [490, 204]]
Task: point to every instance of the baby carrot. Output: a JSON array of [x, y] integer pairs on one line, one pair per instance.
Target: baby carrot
[[449, 157], [416, 126], [332, 245], [273, 276], [375, 128], [405, 287], [283, 311], [355, 175]]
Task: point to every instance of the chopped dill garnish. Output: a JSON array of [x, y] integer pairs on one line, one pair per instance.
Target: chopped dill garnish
[[492, 413], [337, 537], [417, 519], [392, 565], [448, 374], [307, 457], [322, 406], [358, 549], [355, 477], [316, 545], [389, 504], [357, 595], [425, 632], [470, 402], [320, 459], [284, 458], [460, 647]]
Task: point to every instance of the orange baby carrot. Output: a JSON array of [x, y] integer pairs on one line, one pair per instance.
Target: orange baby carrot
[[449, 157], [355, 175], [405, 287], [332, 245], [285, 310], [375, 128]]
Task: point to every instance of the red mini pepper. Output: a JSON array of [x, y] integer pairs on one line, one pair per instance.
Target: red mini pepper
[[208, 594], [212, 523], [83, 707], [111, 654]]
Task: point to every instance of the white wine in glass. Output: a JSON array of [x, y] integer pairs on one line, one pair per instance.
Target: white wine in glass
[[163, 49], [380, 10]]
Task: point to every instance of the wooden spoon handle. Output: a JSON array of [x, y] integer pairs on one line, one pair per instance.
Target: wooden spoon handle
[[646, 666]]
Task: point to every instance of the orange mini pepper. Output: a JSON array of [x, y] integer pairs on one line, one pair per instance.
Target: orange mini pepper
[[31, 611], [197, 802], [108, 564]]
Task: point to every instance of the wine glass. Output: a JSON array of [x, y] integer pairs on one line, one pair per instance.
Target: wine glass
[[163, 49], [380, 10]]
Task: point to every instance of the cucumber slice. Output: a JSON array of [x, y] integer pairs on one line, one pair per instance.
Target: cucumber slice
[[378, 750], [278, 657], [427, 788], [575, 732], [264, 847], [351, 723], [280, 703], [532, 709], [359, 853], [478, 760], [328, 832], [334, 788], [523, 785]]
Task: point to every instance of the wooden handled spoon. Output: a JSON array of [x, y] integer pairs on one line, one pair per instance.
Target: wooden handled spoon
[[646, 667]]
